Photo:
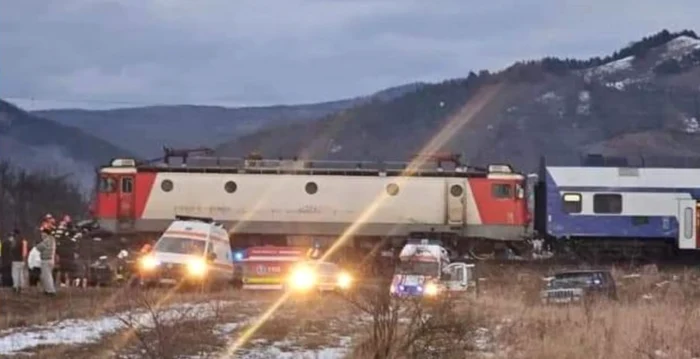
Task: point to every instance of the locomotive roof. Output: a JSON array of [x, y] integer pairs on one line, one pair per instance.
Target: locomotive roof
[[314, 167]]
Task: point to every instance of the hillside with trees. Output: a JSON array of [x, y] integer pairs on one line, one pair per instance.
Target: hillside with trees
[[35, 143], [145, 130], [629, 103]]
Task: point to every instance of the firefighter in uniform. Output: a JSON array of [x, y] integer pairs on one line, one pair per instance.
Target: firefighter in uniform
[[315, 251], [66, 250]]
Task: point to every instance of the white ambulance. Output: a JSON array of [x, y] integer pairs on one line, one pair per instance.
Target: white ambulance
[[193, 250]]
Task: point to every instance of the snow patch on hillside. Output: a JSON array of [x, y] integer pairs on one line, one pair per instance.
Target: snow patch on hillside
[[611, 67], [691, 125], [548, 97], [678, 48], [584, 103], [683, 44]]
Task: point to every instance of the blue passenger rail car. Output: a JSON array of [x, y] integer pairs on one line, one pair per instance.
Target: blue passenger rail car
[[624, 209]]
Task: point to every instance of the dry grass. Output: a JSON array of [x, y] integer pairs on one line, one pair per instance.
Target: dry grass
[[34, 308], [657, 316]]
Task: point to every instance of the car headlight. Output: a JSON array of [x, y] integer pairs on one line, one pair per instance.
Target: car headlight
[[302, 278], [149, 263], [197, 267], [431, 289], [344, 280]]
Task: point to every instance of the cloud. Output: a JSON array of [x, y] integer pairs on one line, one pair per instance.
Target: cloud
[[92, 52]]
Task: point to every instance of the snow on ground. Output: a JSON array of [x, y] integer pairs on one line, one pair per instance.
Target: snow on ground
[[84, 331], [288, 350]]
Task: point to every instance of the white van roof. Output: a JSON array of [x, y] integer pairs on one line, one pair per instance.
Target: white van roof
[[424, 251], [195, 230]]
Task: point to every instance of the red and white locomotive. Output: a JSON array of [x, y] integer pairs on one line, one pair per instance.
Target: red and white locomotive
[[294, 202]]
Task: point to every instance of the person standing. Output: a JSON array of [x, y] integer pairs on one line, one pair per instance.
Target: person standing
[[66, 250], [18, 254], [34, 264], [5, 261], [47, 252]]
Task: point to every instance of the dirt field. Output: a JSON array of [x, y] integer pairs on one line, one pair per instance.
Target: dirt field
[[657, 316]]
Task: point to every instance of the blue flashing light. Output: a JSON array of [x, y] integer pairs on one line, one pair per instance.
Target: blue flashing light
[[238, 256]]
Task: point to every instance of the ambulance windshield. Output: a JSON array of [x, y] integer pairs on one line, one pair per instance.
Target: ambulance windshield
[[418, 268], [180, 245]]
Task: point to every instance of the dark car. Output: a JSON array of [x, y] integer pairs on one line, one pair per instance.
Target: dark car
[[577, 286]]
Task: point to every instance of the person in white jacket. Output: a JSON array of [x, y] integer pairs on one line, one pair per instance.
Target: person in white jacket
[[34, 265]]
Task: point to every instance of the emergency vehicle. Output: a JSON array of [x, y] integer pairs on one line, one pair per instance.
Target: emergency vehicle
[[425, 270], [318, 276], [191, 250], [267, 267]]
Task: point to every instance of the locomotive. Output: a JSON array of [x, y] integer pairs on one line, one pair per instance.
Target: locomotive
[[365, 205], [591, 210]]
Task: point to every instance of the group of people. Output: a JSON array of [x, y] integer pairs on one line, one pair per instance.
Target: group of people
[[42, 259]]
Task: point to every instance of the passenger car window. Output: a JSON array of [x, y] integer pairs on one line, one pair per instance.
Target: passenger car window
[[688, 225], [572, 202], [502, 190], [607, 203]]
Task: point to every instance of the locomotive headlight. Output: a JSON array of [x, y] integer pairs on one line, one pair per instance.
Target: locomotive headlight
[[344, 280], [197, 267], [431, 289], [302, 278], [149, 263]]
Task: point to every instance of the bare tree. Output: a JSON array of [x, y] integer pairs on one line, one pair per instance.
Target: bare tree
[[416, 327], [27, 196]]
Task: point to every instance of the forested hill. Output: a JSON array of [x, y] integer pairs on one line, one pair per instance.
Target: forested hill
[[640, 100], [144, 130], [34, 143]]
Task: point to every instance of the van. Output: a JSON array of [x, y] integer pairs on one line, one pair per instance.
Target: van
[[192, 250]]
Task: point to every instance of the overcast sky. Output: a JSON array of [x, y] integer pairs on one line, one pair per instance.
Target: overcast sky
[[106, 54]]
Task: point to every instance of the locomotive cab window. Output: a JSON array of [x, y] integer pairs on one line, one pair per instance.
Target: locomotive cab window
[[127, 184], [502, 190], [572, 202], [107, 184], [607, 203]]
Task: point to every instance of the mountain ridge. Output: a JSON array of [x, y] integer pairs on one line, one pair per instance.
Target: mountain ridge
[[557, 107], [146, 129], [37, 144]]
